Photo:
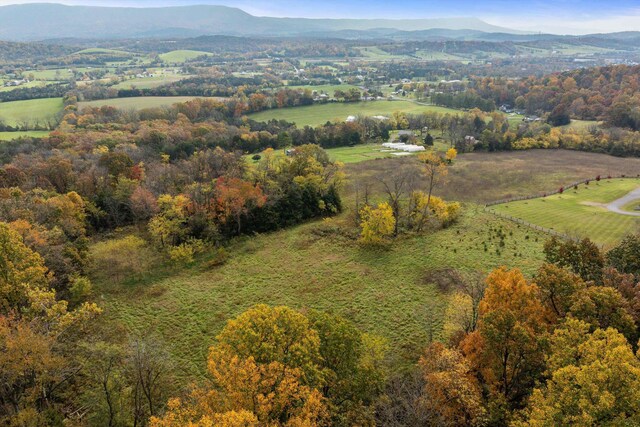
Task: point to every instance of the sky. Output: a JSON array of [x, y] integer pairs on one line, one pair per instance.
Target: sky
[[555, 16]]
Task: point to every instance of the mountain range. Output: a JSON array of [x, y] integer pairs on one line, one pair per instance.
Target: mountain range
[[42, 21]]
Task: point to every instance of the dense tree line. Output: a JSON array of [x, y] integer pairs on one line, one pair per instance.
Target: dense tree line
[[600, 93], [465, 100], [55, 90]]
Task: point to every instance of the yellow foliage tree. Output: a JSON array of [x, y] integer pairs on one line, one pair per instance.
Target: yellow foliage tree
[[594, 380], [265, 370], [377, 224], [451, 392], [451, 155]]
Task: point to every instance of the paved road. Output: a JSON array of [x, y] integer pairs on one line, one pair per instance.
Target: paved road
[[616, 205]]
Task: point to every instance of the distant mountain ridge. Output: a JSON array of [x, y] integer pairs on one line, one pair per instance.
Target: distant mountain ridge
[[39, 21]]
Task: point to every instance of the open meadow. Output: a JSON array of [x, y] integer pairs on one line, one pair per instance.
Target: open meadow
[[314, 115], [318, 266], [138, 102], [486, 177], [33, 111], [582, 212], [8, 136], [179, 56], [149, 82]]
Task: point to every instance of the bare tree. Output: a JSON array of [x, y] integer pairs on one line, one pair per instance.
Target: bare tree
[[397, 186], [150, 367]]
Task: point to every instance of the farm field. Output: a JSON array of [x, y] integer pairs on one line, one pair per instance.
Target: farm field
[[486, 177], [383, 292], [177, 56], [25, 86], [149, 82], [579, 212], [138, 102], [31, 111], [8, 136], [328, 89], [314, 115], [57, 74], [359, 153]]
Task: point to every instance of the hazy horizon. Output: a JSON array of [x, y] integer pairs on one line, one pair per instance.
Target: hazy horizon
[[559, 17]]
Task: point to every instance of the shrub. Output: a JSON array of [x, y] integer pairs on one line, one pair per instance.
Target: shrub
[[119, 258], [182, 254]]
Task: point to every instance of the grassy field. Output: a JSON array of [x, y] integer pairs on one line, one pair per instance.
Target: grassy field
[[359, 153], [486, 177], [149, 82], [314, 115], [578, 212], [328, 89], [8, 136], [632, 206], [314, 266], [177, 56], [31, 111], [138, 102], [51, 75], [99, 50], [25, 86], [318, 265], [581, 124]]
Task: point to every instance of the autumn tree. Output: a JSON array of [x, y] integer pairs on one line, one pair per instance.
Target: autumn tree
[[604, 307], [265, 364], [452, 394], [235, 198], [558, 288], [397, 185], [168, 227], [451, 155], [353, 369], [36, 336], [435, 170], [626, 256], [377, 224], [584, 258], [594, 380], [508, 346]]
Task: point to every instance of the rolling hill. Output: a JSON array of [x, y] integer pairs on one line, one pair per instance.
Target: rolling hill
[[33, 22]]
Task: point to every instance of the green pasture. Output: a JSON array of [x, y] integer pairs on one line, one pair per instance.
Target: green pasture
[[316, 266], [314, 115], [138, 102], [581, 212], [31, 111], [177, 56]]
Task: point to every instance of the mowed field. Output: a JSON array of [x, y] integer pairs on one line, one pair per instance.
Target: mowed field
[[314, 115], [580, 212], [32, 111], [177, 56], [138, 102], [316, 266]]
